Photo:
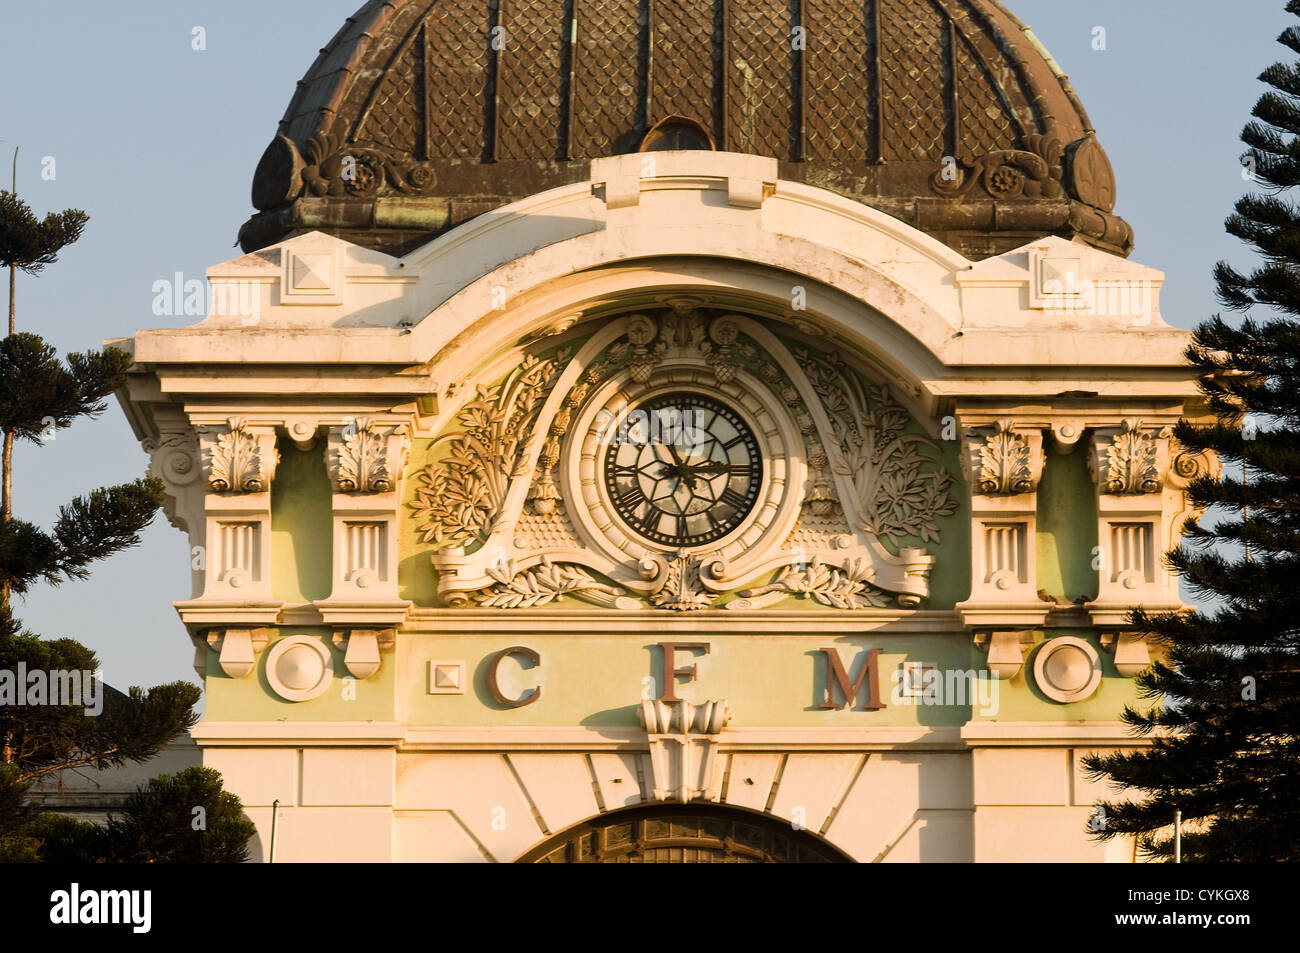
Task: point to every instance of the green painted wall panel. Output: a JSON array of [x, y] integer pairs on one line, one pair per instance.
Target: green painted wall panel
[[1067, 527], [302, 535]]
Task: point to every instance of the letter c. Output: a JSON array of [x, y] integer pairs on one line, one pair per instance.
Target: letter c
[[528, 697]]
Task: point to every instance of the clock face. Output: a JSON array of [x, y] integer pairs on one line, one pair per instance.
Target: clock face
[[684, 471]]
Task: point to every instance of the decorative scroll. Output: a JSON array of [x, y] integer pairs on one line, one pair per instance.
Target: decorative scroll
[[544, 584], [332, 169], [1008, 173], [839, 588]]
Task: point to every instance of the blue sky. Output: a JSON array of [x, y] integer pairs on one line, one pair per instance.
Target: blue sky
[[158, 141]]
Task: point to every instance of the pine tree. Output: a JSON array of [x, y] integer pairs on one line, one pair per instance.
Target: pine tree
[[178, 819], [1225, 728], [40, 394], [184, 818]]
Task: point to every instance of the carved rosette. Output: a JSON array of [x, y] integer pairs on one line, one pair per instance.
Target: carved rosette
[[237, 458], [1004, 461], [174, 457], [1008, 173], [1126, 459]]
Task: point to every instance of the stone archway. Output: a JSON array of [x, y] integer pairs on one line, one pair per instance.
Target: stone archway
[[684, 834]]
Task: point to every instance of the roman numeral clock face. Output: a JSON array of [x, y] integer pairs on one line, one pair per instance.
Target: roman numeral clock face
[[684, 471]]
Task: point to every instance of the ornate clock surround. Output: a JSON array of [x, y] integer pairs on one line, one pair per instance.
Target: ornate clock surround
[[776, 502], [835, 446]]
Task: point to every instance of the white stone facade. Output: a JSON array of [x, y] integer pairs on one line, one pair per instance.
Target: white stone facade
[[363, 358]]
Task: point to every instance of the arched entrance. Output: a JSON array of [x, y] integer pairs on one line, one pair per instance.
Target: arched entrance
[[684, 834]]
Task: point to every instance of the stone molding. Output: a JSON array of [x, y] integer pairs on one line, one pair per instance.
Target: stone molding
[[1005, 650]]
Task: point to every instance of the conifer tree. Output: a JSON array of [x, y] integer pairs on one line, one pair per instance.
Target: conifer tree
[[182, 818], [1225, 727], [40, 394]]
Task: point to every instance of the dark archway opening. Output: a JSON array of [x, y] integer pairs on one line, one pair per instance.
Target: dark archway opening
[[684, 834]]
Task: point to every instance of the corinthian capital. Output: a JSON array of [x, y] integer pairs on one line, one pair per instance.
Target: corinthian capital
[[1004, 460]]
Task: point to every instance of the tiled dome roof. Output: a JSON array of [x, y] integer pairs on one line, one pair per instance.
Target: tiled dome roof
[[948, 114]]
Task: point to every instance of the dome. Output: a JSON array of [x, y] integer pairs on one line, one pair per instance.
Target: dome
[[947, 114]]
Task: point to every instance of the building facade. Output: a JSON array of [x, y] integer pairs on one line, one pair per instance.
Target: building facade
[[674, 432]]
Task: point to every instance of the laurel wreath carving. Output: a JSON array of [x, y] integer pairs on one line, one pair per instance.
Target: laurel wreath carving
[[541, 585], [846, 588]]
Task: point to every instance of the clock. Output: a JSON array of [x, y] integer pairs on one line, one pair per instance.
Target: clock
[[682, 469]]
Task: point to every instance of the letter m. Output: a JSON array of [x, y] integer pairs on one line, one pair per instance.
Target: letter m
[[119, 901], [65, 687], [868, 673]]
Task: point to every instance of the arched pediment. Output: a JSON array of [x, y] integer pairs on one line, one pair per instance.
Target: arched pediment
[[682, 456]]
